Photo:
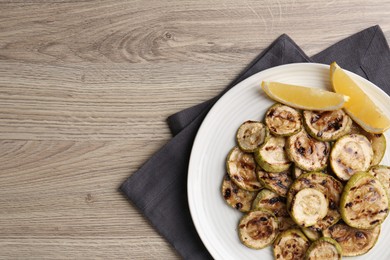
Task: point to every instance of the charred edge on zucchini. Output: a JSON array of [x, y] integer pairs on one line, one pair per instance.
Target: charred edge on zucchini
[[283, 120]]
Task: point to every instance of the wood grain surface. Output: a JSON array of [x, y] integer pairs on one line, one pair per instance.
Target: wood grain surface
[[85, 89]]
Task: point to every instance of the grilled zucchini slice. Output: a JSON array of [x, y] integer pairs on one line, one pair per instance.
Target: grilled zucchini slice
[[283, 120], [250, 135], [308, 207], [382, 173], [258, 228], [353, 241], [269, 200], [364, 203], [326, 184], [306, 152], [279, 182], [241, 168], [311, 234], [271, 156], [235, 197], [378, 143], [324, 248], [327, 125], [290, 244], [350, 154]]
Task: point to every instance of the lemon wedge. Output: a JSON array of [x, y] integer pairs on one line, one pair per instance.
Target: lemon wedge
[[359, 107], [303, 97]]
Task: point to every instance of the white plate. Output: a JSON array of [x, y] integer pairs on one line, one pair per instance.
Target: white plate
[[216, 222]]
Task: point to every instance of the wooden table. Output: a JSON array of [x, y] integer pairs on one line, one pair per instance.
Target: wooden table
[[85, 88]]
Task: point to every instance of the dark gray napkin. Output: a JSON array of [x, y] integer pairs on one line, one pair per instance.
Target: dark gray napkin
[[159, 188]]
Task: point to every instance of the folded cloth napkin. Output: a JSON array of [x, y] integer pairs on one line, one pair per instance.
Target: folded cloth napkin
[[159, 188]]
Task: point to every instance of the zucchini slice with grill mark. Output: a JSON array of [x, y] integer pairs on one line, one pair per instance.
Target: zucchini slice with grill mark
[[350, 154], [307, 153], [353, 241], [327, 125], [241, 168], [258, 229], [378, 143], [235, 197], [271, 156], [283, 120], [279, 182], [324, 248], [382, 173], [326, 184], [311, 234], [290, 244], [250, 135], [269, 200], [308, 207], [364, 202]]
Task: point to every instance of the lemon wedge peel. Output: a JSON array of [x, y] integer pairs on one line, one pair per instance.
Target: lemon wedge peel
[[301, 97], [359, 107]]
